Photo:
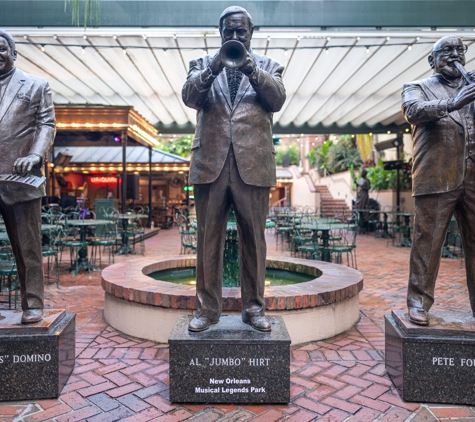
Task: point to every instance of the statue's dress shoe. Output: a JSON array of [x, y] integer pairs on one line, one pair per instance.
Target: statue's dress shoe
[[259, 323], [418, 316], [200, 323], [32, 315]]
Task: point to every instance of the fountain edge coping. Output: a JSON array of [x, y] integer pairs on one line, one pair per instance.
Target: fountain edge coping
[[128, 281]]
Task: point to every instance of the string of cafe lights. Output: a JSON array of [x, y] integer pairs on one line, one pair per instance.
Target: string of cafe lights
[[409, 45]]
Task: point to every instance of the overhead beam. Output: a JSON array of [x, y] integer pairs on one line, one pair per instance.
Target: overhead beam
[[334, 129], [305, 129], [266, 13]]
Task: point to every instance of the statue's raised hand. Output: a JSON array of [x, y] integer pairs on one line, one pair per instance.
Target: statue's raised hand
[[464, 97], [216, 65]]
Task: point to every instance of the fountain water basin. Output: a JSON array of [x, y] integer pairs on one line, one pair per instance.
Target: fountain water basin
[[140, 306]]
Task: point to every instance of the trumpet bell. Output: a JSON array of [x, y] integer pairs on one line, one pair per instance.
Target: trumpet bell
[[233, 54]]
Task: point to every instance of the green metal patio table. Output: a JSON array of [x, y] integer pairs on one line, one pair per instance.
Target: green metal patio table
[[231, 252], [82, 262], [385, 233], [325, 229], [406, 241], [125, 246]]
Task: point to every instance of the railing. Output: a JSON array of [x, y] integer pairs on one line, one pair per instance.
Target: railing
[[280, 203]]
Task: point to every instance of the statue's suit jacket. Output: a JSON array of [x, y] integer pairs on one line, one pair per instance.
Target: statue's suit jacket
[[439, 138], [27, 125], [247, 124]]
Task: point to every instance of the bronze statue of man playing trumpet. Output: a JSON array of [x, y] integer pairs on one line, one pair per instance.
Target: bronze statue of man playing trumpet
[[441, 112], [232, 164]]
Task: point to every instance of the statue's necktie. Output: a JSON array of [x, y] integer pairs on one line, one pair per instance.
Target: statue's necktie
[[234, 80]]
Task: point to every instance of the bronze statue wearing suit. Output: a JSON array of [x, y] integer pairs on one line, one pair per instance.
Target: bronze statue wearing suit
[[233, 163], [441, 111], [27, 130]]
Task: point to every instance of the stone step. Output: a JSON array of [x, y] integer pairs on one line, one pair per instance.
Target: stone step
[[330, 205]]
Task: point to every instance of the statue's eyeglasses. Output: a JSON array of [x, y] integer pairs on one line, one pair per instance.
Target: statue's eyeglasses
[[461, 49]]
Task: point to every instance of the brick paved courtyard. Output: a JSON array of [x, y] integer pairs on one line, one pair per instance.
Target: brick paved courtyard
[[118, 377]]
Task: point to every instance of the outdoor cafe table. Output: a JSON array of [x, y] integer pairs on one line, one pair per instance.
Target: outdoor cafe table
[[125, 246], [232, 225], [361, 212], [453, 228], [83, 262], [45, 230], [406, 241], [385, 233], [289, 218], [289, 213], [325, 229], [48, 228]]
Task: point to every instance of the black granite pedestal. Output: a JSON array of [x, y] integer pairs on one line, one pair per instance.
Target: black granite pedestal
[[231, 362], [36, 360], [432, 364]]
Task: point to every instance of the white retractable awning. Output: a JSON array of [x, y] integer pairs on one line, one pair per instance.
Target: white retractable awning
[[338, 78], [106, 155]]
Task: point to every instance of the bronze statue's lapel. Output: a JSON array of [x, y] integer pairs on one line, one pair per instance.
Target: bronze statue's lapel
[[223, 84], [16, 82], [243, 87], [439, 92], [245, 84]]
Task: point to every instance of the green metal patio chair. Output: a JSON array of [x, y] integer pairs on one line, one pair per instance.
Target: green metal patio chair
[[188, 236], [9, 287], [105, 241], [51, 250]]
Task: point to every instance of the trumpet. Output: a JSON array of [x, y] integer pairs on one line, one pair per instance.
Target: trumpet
[[233, 54], [464, 73]]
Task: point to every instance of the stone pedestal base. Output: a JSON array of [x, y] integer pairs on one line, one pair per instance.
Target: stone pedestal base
[[36, 359], [230, 363], [434, 364]]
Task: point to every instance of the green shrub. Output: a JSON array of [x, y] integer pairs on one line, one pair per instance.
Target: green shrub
[[179, 146], [336, 156], [381, 179], [342, 155], [292, 151], [318, 156]]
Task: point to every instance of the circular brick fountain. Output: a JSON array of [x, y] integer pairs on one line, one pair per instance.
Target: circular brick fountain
[[140, 306]]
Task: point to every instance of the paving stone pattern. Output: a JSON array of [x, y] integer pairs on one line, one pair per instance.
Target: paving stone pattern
[[118, 377]]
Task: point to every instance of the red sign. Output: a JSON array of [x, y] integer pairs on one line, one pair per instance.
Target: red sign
[[103, 179]]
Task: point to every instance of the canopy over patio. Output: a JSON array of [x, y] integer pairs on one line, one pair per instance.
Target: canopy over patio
[[110, 140], [338, 82], [138, 155], [345, 61]]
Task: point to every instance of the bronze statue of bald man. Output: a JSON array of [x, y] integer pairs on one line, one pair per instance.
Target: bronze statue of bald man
[[233, 163], [27, 130], [441, 111]]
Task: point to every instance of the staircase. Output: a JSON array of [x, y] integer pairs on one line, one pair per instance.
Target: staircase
[[330, 206]]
